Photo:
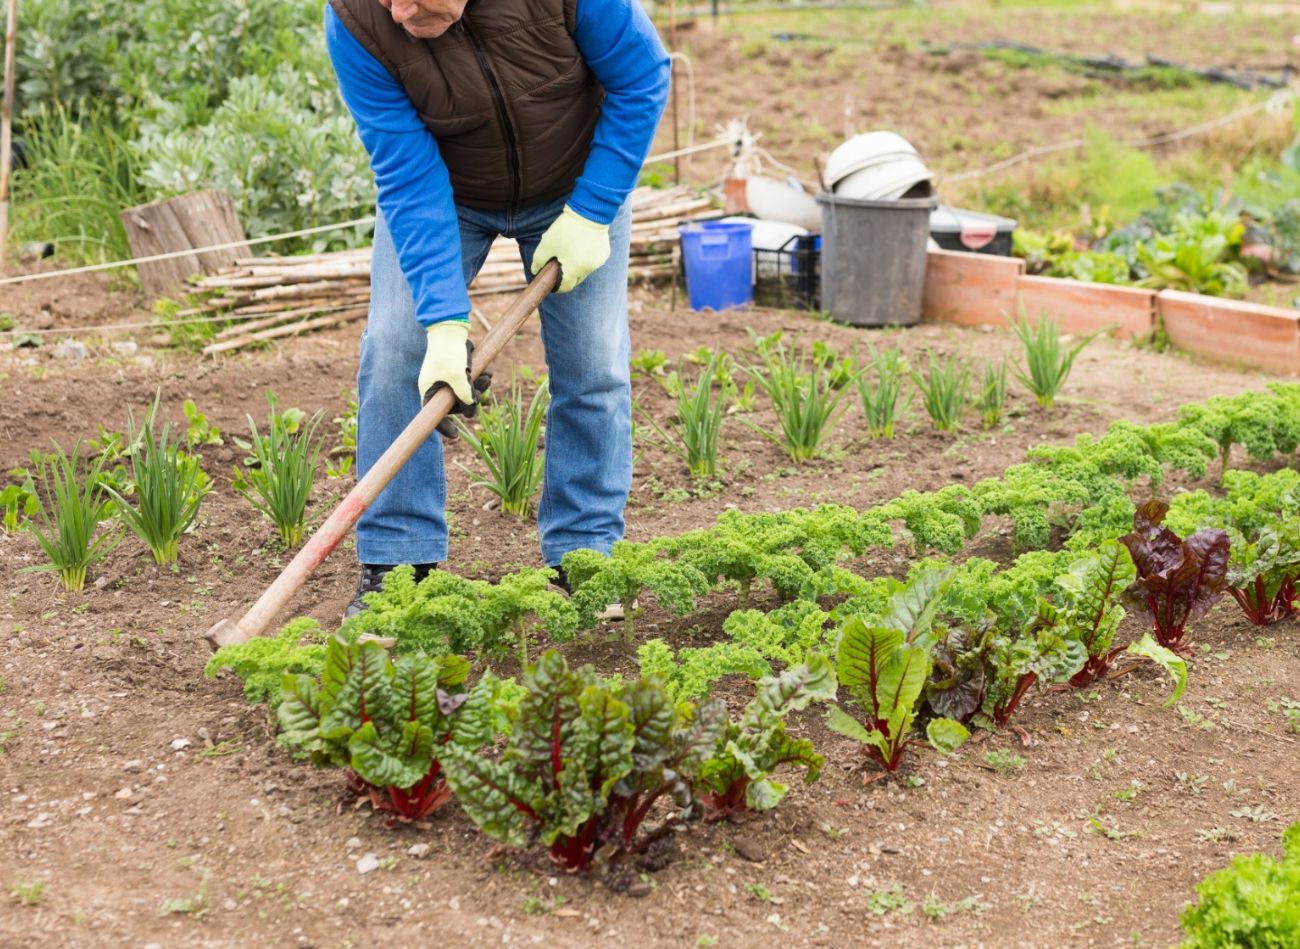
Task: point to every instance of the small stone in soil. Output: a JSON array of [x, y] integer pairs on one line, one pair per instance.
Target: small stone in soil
[[180, 744], [352, 844], [367, 863], [749, 848], [639, 889], [124, 794], [134, 766], [418, 851]]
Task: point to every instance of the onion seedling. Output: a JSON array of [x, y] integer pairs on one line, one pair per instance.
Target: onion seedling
[[1046, 366], [284, 468], [944, 390], [993, 394], [69, 509], [169, 486], [880, 400], [804, 396], [507, 443], [699, 416]]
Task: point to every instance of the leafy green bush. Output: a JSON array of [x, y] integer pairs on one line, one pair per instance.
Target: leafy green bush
[[1253, 904], [182, 94]]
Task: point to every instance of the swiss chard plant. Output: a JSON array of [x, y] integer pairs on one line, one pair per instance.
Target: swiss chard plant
[[1090, 611], [884, 665], [1041, 653], [737, 776], [1264, 573], [1177, 580], [388, 723], [587, 762]]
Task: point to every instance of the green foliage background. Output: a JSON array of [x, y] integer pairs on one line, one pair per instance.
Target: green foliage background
[[119, 109]]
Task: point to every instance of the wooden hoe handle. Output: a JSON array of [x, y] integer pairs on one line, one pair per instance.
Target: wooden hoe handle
[[336, 526]]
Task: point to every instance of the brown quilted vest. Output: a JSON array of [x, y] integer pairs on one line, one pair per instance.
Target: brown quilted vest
[[505, 92]]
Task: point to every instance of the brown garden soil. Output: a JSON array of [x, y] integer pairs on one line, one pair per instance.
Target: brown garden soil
[[130, 780], [812, 79]]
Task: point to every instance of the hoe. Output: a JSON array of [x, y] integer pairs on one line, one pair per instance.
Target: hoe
[[322, 543]]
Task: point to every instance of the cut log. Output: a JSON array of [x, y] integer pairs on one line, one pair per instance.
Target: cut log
[[197, 219]]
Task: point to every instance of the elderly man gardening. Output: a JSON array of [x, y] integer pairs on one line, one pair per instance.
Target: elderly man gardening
[[528, 118]]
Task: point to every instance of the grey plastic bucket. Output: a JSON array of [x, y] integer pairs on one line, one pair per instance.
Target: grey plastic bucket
[[873, 259]]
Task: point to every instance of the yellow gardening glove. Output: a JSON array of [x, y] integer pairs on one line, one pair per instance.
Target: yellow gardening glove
[[446, 363], [581, 246]]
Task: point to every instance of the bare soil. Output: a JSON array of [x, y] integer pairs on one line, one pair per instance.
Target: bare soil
[[157, 808], [129, 780]]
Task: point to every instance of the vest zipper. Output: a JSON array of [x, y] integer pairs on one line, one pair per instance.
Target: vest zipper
[[512, 149]]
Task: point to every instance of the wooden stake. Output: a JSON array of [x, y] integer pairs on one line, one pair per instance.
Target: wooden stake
[[6, 123]]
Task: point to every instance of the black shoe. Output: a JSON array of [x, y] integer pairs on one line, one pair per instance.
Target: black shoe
[[561, 580], [372, 581]]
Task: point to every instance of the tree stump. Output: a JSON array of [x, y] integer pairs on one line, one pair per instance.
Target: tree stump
[[197, 219]]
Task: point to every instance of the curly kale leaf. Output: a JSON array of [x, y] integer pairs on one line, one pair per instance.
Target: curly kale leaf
[[262, 661]]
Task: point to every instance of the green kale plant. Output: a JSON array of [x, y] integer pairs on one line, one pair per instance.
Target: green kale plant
[[263, 661], [599, 581]]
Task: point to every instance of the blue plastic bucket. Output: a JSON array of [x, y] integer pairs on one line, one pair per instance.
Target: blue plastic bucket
[[719, 259]]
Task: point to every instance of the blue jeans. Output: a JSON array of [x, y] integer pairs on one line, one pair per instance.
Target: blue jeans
[[588, 467]]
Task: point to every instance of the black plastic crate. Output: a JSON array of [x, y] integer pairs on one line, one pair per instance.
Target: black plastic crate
[[790, 277]]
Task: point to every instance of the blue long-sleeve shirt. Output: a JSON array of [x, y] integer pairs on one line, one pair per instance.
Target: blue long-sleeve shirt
[[623, 51]]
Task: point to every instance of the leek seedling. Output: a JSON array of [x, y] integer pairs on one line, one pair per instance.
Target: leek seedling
[[993, 394], [699, 415], [507, 443], [69, 509], [284, 468], [804, 396], [880, 399], [169, 487], [1046, 366], [944, 390]]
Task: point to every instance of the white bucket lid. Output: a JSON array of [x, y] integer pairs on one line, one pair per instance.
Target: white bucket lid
[[864, 150]]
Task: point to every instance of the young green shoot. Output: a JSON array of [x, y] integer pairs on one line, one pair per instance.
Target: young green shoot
[[993, 394], [284, 463], [1046, 366], [944, 391], [880, 394], [169, 486], [700, 412], [507, 440], [804, 396], [71, 505]]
